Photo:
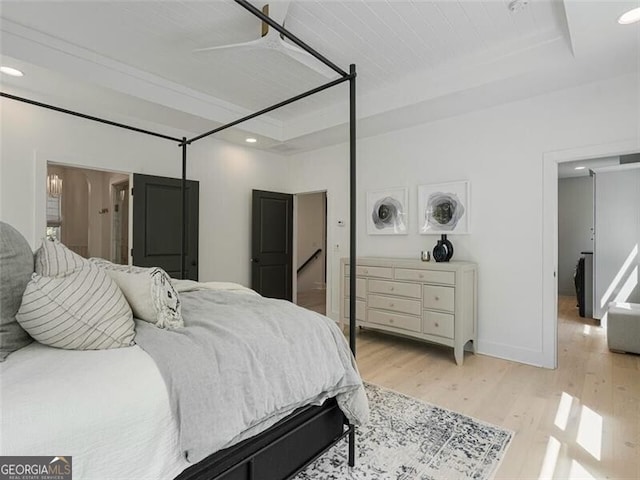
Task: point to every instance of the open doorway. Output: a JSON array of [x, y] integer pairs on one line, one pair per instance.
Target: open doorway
[[598, 237], [575, 250], [311, 246], [88, 211]]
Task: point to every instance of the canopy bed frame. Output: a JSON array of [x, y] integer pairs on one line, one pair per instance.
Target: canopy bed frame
[[288, 447]]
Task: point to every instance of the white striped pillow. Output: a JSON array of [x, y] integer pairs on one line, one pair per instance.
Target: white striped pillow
[[53, 259], [84, 310]]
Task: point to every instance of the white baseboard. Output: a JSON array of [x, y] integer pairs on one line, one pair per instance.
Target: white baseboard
[[515, 354]]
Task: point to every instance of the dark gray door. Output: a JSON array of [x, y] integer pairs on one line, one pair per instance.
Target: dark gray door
[[272, 244], [157, 217]]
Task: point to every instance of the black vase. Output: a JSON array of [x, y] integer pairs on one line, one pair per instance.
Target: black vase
[[443, 251]]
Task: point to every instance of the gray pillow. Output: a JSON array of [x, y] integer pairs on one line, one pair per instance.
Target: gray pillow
[[16, 267]]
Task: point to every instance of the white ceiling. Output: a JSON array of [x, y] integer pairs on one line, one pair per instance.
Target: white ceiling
[[410, 56]]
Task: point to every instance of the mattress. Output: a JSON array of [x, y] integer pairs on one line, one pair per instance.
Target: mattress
[[108, 409]]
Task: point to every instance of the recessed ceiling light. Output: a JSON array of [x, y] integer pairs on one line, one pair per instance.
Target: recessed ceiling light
[[14, 72], [580, 168], [251, 140], [632, 16]]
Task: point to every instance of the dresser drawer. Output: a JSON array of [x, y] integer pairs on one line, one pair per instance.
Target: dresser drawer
[[441, 324], [401, 305], [380, 272], [394, 320], [439, 298], [413, 290], [426, 276], [360, 310], [361, 287]]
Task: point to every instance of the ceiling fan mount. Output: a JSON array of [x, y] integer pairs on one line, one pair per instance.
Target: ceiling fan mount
[[271, 39]]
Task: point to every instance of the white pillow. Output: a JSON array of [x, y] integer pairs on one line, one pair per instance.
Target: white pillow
[[53, 259], [148, 291], [83, 310]]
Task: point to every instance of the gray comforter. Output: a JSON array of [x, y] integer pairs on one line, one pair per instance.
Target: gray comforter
[[242, 362]]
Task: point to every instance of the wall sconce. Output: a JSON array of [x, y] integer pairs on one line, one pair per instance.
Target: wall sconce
[[54, 185]]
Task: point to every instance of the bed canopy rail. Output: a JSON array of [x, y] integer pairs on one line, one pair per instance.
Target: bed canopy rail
[[88, 117], [284, 103]]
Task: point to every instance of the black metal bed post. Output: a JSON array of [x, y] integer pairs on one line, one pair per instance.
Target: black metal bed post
[[352, 236], [352, 208], [183, 191]]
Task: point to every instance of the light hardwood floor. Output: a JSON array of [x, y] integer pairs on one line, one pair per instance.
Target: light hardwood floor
[[315, 300], [581, 420]]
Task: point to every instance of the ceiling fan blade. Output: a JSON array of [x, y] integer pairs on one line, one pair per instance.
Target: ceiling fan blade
[[239, 46], [306, 59]]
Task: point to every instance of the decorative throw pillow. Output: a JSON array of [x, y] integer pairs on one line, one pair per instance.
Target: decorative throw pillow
[[53, 259], [83, 310], [16, 267], [149, 292]]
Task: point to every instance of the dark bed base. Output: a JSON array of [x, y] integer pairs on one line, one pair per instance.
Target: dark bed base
[[280, 452]]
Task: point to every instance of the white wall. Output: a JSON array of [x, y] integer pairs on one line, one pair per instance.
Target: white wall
[[617, 242], [575, 223], [227, 174], [500, 150], [31, 136]]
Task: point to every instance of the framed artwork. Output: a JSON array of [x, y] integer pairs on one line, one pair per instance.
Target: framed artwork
[[444, 208], [387, 211]]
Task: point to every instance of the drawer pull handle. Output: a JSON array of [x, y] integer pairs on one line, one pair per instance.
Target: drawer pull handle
[[391, 320], [391, 289], [437, 325], [420, 275], [437, 298], [365, 271], [391, 304]]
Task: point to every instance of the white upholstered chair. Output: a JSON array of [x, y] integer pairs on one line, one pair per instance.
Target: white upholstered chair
[[623, 327]]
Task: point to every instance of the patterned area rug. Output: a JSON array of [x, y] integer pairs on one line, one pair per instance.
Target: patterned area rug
[[407, 439]]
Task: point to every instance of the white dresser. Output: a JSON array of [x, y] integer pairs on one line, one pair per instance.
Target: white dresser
[[429, 301]]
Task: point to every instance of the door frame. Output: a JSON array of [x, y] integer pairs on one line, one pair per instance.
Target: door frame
[[327, 259], [113, 187], [550, 233]]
